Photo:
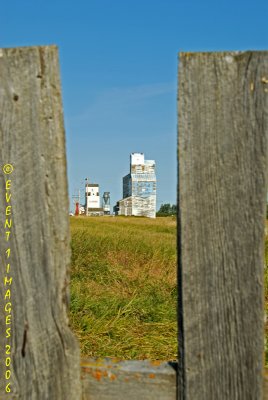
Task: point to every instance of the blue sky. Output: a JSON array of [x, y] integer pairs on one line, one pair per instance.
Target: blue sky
[[118, 62]]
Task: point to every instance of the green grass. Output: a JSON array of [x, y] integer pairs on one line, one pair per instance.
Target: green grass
[[266, 297], [123, 287]]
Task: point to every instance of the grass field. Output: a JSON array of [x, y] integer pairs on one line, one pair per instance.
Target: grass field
[[123, 287], [266, 294]]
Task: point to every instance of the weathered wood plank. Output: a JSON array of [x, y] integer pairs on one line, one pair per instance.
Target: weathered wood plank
[[111, 379], [222, 196], [44, 354]]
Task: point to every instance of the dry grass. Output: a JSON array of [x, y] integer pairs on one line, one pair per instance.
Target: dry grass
[[266, 294], [123, 287]]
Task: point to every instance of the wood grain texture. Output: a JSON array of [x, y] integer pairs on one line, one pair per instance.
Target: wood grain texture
[[112, 379], [45, 360], [222, 148]]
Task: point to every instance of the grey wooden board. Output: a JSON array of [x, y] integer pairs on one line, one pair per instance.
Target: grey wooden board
[[45, 356], [222, 154], [111, 379]]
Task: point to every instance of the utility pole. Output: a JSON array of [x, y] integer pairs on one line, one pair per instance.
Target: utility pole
[[86, 197]]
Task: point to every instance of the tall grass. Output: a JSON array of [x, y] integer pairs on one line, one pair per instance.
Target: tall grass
[[123, 287], [266, 296]]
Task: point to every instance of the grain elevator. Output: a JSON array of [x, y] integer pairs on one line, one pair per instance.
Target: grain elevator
[[139, 188]]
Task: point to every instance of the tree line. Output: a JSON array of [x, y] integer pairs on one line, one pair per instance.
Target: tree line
[[166, 210]]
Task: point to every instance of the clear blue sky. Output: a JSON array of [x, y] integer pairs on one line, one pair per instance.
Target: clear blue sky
[[119, 71]]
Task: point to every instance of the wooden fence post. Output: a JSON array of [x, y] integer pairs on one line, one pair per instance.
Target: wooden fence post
[[222, 196], [39, 357], [223, 121]]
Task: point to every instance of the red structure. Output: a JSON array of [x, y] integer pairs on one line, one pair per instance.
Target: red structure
[[76, 208]]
